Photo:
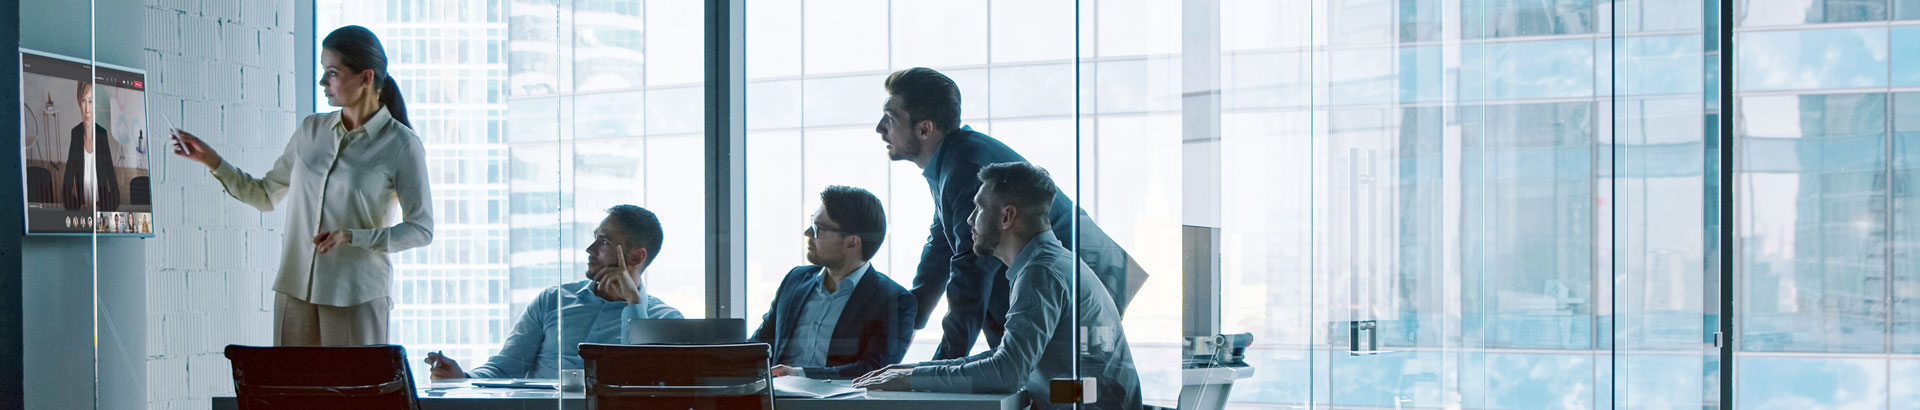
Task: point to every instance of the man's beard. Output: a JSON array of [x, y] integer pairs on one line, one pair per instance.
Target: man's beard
[[984, 243], [905, 149], [813, 257]]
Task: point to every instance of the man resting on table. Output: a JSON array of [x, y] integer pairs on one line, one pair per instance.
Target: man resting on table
[[595, 310], [1010, 222]]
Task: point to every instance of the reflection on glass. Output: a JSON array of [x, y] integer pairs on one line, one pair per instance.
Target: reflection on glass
[[1527, 69], [1824, 244], [1419, 21], [1484, 19], [1771, 382], [1483, 204], [1906, 56], [1810, 59], [1814, 268], [1664, 65], [1363, 22], [1905, 167], [1266, 80], [1526, 177], [1362, 76], [1791, 12]]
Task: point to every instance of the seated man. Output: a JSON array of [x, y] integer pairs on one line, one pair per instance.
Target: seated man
[[838, 318], [1010, 222], [595, 310]]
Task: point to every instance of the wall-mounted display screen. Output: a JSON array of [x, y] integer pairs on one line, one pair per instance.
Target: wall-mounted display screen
[[84, 147]]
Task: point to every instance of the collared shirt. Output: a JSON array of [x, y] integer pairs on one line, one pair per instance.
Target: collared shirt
[[90, 191], [549, 334], [813, 333], [1039, 344], [331, 179], [948, 264]]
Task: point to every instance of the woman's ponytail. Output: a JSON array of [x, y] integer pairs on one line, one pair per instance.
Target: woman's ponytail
[[390, 97]]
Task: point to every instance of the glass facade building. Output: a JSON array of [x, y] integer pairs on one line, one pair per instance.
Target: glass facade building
[[1826, 272]]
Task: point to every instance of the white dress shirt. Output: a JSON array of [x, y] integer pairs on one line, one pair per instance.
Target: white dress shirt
[[331, 179]]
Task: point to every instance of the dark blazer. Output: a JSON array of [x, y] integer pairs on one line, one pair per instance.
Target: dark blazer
[[873, 332], [975, 285], [108, 192]]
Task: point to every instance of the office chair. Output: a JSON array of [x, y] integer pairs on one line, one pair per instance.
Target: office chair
[[284, 378], [727, 376], [685, 331], [138, 192], [39, 185]]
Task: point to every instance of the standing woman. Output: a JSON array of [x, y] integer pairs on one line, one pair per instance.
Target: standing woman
[[340, 176]]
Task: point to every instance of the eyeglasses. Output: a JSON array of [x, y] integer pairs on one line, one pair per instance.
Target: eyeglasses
[[815, 229]]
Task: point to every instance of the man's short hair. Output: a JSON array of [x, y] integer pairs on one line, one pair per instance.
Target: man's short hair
[[642, 228], [858, 213], [1025, 186], [927, 95]]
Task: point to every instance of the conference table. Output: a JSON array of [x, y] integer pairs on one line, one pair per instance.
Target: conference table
[[465, 396]]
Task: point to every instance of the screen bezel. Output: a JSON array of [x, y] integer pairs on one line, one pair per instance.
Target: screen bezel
[[25, 212]]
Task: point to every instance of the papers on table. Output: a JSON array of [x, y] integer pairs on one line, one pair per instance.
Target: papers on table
[[518, 383], [801, 387], [495, 389]]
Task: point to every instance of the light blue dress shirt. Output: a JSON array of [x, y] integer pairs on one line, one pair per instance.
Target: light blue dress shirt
[[1053, 293], [813, 333], [534, 350]]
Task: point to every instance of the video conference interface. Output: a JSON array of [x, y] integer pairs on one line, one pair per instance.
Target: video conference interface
[[84, 142]]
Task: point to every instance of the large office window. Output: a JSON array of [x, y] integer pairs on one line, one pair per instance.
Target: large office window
[[1508, 198], [537, 117], [1519, 200], [459, 295], [1824, 118], [815, 76]]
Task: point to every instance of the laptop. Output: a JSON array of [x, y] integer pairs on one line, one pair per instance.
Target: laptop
[[686, 331]]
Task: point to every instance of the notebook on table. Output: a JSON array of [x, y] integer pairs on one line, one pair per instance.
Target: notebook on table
[[801, 387]]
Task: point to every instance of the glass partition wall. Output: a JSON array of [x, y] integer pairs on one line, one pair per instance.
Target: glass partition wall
[[1493, 204], [540, 118], [1465, 204]]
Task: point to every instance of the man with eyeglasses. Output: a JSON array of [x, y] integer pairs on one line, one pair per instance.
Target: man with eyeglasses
[[838, 318]]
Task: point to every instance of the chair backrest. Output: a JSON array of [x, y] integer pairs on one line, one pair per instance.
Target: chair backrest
[[729, 376], [686, 331], [39, 185], [359, 377], [138, 193]]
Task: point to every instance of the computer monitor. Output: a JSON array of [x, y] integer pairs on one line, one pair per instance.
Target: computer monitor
[[85, 165], [686, 331]]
